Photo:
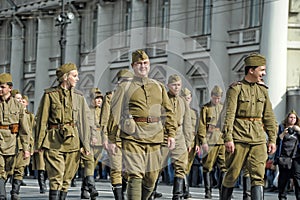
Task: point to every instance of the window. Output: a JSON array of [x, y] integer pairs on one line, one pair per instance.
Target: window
[[206, 24], [126, 22], [252, 13], [30, 45], [201, 95], [94, 27]]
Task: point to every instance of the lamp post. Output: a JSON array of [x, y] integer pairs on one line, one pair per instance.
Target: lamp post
[[62, 20]]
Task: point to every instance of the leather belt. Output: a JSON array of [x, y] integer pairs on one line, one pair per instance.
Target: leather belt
[[5, 127], [59, 126], [147, 119], [252, 119], [14, 128]]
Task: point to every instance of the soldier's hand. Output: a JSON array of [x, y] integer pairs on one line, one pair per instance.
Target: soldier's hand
[[197, 149], [105, 144], [271, 148], [171, 143], [112, 148], [205, 147], [26, 155], [229, 147], [189, 149]]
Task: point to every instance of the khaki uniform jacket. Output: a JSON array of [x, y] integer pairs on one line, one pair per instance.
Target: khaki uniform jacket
[[52, 111], [105, 112], [243, 102], [183, 119], [13, 112], [209, 116], [194, 119], [142, 97], [96, 112], [31, 123]]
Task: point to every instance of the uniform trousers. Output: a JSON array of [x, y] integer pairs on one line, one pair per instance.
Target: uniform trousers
[[215, 154], [61, 168], [20, 165], [7, 163], [115, 161], [254, 157]]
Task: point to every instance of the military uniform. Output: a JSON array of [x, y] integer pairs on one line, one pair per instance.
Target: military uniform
[[13, 125], [136, 110], [249, 116], [63, 126]]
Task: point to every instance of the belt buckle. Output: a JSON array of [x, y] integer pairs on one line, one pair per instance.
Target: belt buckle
[[149, 120], [251, 119]]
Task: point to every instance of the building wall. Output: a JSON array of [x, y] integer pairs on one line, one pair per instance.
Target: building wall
[[204, 41]]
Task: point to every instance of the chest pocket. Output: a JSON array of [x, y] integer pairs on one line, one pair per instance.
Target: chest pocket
[[14, 116], [260, 103], [56, 111], [244, 105]]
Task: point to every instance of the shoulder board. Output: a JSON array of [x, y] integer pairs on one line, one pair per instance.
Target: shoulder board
[[78, 92], [235, 84], [263, 84], [49, 90]]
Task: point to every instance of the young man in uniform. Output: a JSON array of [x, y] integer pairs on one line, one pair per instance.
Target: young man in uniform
[[210, 137], [63, 125], [184, 136], [248, 117], [13, 124], [117, 177], [90, 161], [138, 110]]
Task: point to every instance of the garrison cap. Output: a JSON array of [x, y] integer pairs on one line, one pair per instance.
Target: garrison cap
[[124, 73], [95, 93], [217, 91], [65, 68], [25, 97], [174, 78], [185, 92], [255, 60], [14, 92], [5, 78], [139, 55]]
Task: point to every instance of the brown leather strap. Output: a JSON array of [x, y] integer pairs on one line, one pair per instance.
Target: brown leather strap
[[252, 119], [14, 128], [147, 119], [5, 127], [59, 126]]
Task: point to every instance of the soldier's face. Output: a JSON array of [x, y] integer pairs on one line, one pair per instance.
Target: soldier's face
[[98, 102], [141, 68], [5, 90], [73, 78], [215, 99], [18, 97], [175, 87], [258, 73], [188, 98]]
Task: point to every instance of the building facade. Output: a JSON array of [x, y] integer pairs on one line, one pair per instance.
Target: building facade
[[204, 41]]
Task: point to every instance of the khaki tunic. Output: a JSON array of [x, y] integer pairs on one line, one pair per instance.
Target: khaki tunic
[[142, 97], [20, 163], [210, 134], [244, 102], [192, 153], [63, 124], [183, 139], [12, 112]]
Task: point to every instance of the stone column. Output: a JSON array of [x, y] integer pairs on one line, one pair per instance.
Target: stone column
[[274, 47]]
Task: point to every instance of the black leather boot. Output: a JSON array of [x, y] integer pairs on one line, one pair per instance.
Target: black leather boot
[[63, 195], [54, 195], [90, 182], [186, 188], [84, 190], [226, 193], [42, 181], [257, 192], [74, 182], [2, 190], [177, 188], [246, 188], [207, 185], [117, 190], [15, 189], [124, 187]]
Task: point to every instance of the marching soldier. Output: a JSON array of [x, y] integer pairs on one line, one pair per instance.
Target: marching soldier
[[211, 140], [248, 117], [63, 125], [13, 125], [138, 110]]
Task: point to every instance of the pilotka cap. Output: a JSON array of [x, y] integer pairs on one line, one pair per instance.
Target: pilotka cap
[[217, 91], [65, 68], [5, 78], [139, 55], [255, 60], [174, 78]]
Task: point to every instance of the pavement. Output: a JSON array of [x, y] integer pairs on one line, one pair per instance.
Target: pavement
[[31, 192]]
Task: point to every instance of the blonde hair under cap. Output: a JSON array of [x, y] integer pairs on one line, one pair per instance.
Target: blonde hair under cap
[[174, 78], [65, 68], [185, 92]]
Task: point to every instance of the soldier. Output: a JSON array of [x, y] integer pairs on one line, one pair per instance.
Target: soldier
[[20, 163], [117, 178], [210, 137], [13, 124], [248, 117], [63, 125], [184, 136], [137, 108], [187, 94]]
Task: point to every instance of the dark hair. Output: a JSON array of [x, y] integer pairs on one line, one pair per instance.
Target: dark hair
[[9, 83], [247, 68]]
